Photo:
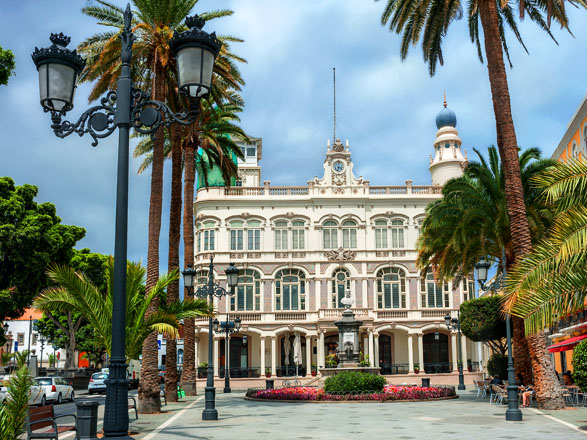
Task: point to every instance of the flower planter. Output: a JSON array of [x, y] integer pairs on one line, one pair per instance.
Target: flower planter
[[416, 371], [314, 373]]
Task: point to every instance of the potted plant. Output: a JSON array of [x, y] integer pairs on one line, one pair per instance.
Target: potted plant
[[314, 369], [331, 361], [267, 372], [202, 369], [364, 362], [416, 368]]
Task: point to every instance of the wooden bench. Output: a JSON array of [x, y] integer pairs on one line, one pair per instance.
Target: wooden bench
[[44, 417]]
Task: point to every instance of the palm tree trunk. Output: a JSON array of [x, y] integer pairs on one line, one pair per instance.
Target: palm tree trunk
[[189, 373], [173, 258], [548, 392], [149, 390]]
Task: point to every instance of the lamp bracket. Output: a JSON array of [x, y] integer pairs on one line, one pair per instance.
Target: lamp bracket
[[217, 291]]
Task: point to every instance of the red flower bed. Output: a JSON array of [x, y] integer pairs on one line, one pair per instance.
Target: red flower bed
[[390, 392]]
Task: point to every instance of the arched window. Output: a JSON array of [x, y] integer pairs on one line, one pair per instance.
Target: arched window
[[349, 234], [391, 288], [248, 292], [381, 234], [329, 235], [297, 235], [341, 282], [236, 235], [201, 279], [397, 234], [433, 293], [468, 289], [290, 290], [574, 152], [205, 236], [280, 235]]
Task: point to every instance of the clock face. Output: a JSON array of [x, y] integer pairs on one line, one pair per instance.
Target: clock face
[[338, 166]]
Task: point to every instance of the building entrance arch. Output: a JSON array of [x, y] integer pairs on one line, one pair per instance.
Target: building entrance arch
[[436, 353], [385, 356]]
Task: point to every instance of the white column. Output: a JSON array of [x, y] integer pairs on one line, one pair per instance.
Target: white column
[[364, 288], [308, 355], [480, 356], [371, 349], [318, 295], [273, 354], [410, 354], [321, 360], [262, 355], [215, 356], [197, 351], [464, 351], [454, 358], [421, 351], [376, 351]]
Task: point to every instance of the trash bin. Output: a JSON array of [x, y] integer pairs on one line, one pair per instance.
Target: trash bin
[[425, 382], [87, 419], [269, 383]]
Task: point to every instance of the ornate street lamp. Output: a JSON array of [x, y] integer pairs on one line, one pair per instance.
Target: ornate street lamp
[[513, 413], [123, 108], [214, 290], [42, 341], [455, 324], [228, 327]]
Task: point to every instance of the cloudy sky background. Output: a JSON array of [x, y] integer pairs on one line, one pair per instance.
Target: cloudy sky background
[[385, 107]]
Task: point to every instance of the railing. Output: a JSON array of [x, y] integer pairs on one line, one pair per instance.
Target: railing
[[290, 370], [240, 372], [426, 190], [246, 317], [288, 191], [379, 190], [337, 313], [436, 313], [394, 368], [290, 316], [244, 191], [437, 368], [305, 191], [392, 314]]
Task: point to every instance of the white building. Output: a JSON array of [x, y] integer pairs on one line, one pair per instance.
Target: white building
[[300, 248]]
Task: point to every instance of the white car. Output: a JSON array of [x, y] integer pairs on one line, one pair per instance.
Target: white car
[[57, 389], [36, 393], [97, 384]]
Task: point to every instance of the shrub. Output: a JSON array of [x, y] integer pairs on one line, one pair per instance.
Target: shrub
[[13, 411], [354, 382], [580, 365], [498, 365]]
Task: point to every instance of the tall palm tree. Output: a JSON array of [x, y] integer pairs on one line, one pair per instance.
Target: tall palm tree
[[154, 23], [429, 21], [551, 281], [471, 222], [74, 291]]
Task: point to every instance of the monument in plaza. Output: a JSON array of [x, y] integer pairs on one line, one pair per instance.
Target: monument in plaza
[[348, 335]]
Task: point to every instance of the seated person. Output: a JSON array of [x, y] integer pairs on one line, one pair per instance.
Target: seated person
[[567, 378], [496, 380], [526, 396]]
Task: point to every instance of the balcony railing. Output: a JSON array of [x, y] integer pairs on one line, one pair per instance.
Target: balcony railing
[[337, 313], [290, 316], [392, 314], [284, 191], [394, 368], [438, 367]]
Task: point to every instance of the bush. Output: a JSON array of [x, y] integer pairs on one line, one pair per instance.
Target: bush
[[498, 365], [580, 365], [354, 382]]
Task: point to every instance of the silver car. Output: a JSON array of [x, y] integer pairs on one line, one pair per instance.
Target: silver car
[[57, 389], [97, 384]]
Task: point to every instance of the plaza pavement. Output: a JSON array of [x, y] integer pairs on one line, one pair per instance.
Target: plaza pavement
[[463, 418]]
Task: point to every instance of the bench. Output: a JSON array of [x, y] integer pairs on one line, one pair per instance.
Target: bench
[[44, 417], [133, 405]]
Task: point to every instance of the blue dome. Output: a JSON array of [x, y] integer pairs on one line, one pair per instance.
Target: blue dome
[[446, 118]]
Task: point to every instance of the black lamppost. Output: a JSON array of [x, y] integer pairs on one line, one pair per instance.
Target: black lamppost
[[214, 290], [455, 324], [513, 413], [42, 341], [227, 327], [125, 108]]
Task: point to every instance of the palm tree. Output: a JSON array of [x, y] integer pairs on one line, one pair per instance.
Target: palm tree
[[75, 292], [153, 24], [551, 281], [429, 20], [471, 222]]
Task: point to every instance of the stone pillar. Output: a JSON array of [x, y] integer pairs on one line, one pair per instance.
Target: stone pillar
[[376, 351], [321, 360], [421, 351], [197, 351], [273, 355], [215, 354], [318, 294], [410, 354], [371, 349], [365, 344], [454, 357], [262, 355], [308, 355], [364, 292], [464, 351]]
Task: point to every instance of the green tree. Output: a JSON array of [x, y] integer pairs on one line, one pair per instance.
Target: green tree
[[580, 365], [428, 21], [482, 321], [6, 65], [31, 237]]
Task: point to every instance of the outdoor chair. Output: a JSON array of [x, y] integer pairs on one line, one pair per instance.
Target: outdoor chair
[[44, 417], [132, 404], [499, 394]]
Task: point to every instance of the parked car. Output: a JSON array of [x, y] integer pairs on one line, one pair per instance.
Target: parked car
[[134, 373], [57, 389], [97, 384], [36, 393], [162, 373]]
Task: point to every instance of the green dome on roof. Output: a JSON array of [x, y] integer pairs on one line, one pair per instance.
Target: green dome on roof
[[214, 173]]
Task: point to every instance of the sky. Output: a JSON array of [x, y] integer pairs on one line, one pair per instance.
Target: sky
[[385, 106]]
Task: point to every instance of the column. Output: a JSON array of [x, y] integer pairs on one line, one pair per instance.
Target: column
[[318, 295], [464, 351], [376, 351], [454, 358], [321, 360], [364, 291], [410, 354], [308, 355], [421, 351], [215, 356], [197, 351], [480, 356], [262, 355], [371, 349], [273, 355], [365, 344]]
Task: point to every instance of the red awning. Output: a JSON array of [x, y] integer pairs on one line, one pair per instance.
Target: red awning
[[567, 344]]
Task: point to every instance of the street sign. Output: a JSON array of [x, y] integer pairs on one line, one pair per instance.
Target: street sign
[[159, 344], [15, 346]]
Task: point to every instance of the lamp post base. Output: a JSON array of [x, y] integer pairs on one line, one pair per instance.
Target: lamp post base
[[227, 390], [513, 413], [461, 387], [210, 413]]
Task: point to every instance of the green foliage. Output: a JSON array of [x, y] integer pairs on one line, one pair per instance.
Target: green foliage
[[364, 362], [580, 365], [331, 360], [6, 65], [14, 410], [31, 238], [52, 358], [354, 382], [498, 365], [482, 321]]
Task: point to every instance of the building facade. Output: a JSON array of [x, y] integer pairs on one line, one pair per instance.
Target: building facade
[[300, 248]]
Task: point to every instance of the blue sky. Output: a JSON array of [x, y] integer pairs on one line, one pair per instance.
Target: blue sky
[[385, 107]]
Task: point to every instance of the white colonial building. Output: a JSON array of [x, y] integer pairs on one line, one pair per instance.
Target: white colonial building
[[299, 248]]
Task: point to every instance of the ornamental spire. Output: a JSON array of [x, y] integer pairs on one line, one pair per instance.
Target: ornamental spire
[[444, 98]]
